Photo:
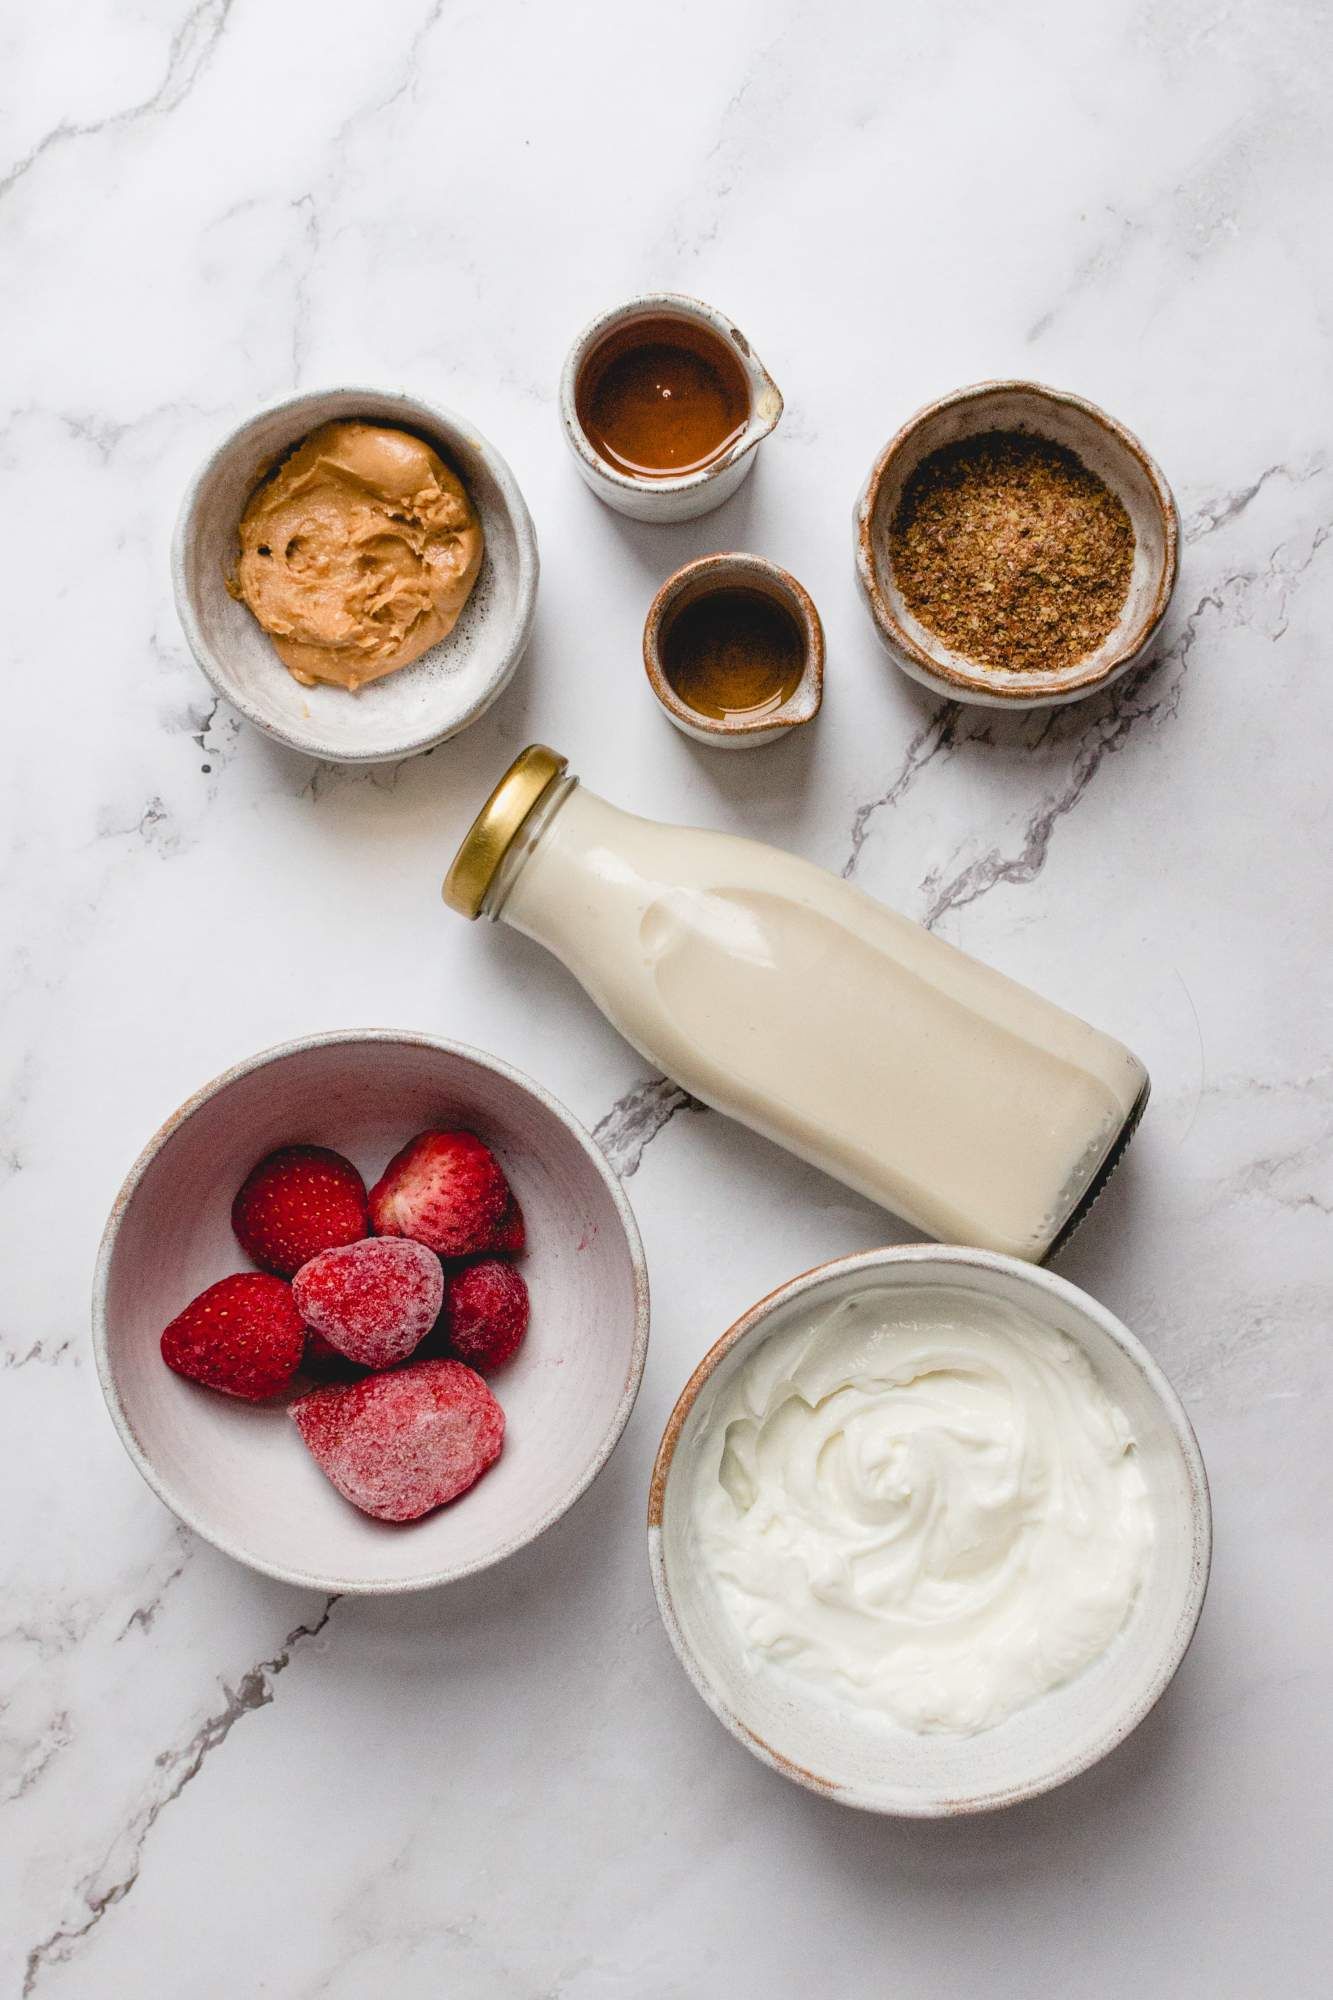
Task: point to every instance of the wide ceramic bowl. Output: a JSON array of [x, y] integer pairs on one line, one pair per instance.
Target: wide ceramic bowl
[[420, 705], [854, 1757], [1107, 449], [238, 1473]]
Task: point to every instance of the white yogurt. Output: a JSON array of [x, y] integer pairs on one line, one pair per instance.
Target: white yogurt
[[924, 1503]]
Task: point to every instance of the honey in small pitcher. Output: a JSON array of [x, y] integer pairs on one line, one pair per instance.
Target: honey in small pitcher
[[661, 398]]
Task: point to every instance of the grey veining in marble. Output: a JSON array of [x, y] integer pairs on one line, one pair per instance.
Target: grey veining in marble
[[211, 1784]]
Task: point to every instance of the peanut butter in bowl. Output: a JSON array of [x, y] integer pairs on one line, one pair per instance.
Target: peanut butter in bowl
[[358, 553]]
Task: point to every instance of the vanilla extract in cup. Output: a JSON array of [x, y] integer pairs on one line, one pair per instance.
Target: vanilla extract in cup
[[734, 651], [661, 397], [733, 654]]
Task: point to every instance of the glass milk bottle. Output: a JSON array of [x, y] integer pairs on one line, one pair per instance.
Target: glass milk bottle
[[785, 997]]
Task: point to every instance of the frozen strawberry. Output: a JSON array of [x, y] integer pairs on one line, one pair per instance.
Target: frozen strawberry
[[243, 1336], [446, 1190], [486, 1313], [511, 1238], [321, 1357], [297, 1202], [373, 1301], [397, 1445]]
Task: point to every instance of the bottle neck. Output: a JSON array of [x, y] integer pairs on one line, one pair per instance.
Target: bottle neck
[[525, 841]]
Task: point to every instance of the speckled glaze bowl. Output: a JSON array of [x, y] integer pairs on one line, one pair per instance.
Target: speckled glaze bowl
[[238, 1473], [408, 711], [850, 1756], [692, 493], [1107, 449], [735, 571]]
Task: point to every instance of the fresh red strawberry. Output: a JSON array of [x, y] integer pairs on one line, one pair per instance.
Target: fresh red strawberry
[[243, 1336], [297, 1202], [400, 1444], [446, 1190], [486, 1313], [372, 1301]]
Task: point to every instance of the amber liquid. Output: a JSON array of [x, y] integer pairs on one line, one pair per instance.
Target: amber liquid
[[733, 655], [662, 397]]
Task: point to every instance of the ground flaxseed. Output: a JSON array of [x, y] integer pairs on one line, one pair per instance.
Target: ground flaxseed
[[1012, 552]]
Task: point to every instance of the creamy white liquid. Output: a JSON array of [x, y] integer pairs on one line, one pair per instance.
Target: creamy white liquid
[[923, 1503], [776, 992]]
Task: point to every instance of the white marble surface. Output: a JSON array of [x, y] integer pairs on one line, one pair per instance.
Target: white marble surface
[[213, 1785]]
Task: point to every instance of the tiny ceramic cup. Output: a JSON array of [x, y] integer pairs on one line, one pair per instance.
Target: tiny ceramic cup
[[697, 580], [1108, 450], [836, 1748], [669, 498], [422, 704]]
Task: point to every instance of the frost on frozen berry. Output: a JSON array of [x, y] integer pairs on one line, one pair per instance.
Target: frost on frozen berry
[[243, 1336], [401, 1444], [486, 1312], [448, 1191], [297, 1202], [373, 1301]]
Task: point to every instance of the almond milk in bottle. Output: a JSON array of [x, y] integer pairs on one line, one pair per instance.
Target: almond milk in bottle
[[794, 1002]]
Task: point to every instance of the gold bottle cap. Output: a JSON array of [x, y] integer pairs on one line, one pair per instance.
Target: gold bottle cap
[[487, 840]]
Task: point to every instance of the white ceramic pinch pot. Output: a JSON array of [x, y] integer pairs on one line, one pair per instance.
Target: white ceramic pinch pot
[[858, 1758], [238, 1473], [1107, 449], [418, 706], [679, 497]]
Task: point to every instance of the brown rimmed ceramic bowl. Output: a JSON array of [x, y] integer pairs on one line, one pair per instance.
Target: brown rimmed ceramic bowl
[[852, 1756], [1107, 449], [734, 571], [238, 1473]]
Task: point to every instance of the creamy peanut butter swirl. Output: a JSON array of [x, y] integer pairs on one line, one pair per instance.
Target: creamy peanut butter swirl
[[924, 1503], [357, 554]]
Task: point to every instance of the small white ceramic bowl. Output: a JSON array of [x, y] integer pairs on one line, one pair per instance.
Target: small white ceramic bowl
[[1107, 449], [238, 1473], [418, 706], [847, 1755]]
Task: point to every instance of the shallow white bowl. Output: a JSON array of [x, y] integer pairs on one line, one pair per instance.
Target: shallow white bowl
[[849, 1756], [419, 706], [238, 1473]]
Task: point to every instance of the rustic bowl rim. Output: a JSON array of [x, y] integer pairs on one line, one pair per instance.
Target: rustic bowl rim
[[949, 680], [751, 1326], [642, 305], [215, 1087], [807, 697], [414, 413]]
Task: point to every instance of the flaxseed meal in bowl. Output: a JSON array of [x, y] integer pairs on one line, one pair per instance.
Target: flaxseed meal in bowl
[[1017, 547]]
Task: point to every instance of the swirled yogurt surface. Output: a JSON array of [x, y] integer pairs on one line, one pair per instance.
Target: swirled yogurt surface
[[924, 1502]]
